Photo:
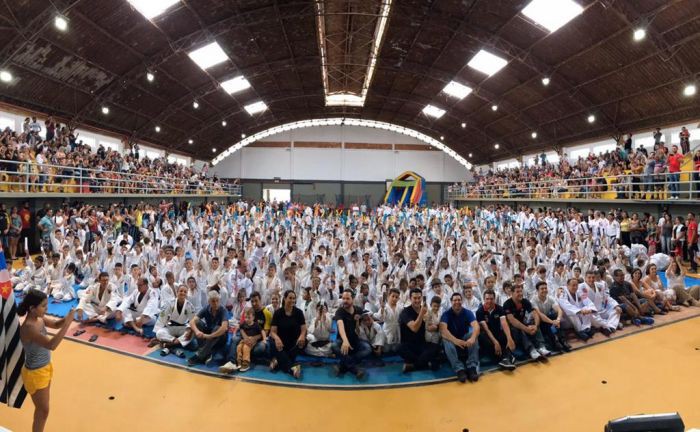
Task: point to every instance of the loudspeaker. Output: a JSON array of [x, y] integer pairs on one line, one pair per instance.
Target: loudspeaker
[[671, 422]]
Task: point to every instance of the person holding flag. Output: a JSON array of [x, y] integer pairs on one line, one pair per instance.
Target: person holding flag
[[37, 370], [12, 391]]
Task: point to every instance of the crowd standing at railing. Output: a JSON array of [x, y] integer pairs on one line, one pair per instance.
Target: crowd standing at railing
[[412, 281], [627, 172], [63, 163]]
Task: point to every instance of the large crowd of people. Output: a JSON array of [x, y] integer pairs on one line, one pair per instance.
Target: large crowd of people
[[628, 172], [254, 282], [35, 163]]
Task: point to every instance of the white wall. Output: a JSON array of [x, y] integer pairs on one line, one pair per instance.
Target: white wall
[[340, 164]]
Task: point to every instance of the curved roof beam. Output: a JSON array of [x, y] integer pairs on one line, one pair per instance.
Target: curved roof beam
[[339, 121]]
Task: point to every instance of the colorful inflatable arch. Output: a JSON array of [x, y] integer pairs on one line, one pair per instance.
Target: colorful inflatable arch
[[407, 189]]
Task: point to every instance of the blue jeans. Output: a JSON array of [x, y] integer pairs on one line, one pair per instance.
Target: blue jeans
[[454, 353], [673, 180], [354, 356], [259, 351]]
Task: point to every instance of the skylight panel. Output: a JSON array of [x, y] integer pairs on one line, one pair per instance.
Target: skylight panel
[[487, 62], [208, 55], [235, 85], [457, 90], [152, 8], [344, 99], [552, 14], [256, 107], [433, 111]]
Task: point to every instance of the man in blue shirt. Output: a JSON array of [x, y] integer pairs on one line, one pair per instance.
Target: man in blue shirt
[[460, 331]]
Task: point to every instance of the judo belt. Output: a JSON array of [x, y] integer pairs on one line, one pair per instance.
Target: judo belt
[[175, 324]]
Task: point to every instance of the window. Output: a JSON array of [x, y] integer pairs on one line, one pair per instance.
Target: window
[[487, 62], [647, 141], [575, 154], [6, 122], [279, 195], [208, 55], [178, 160], [111, 145], [604, 148], [694, 135], [152, 154], [88, 140], [552, 14]]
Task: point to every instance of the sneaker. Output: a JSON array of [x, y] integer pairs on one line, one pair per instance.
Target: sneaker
[[472, 374], [534, 354], [245, 367], [506, 364], [180, 353], [164, 352], [647, 321], [544, 351], [228, 368], [583, 336], [296, 371], [606, 331], [462, 376], [407, 367], [565, 345], [194, 360], [637, 322], [209, 360], [273, 365]]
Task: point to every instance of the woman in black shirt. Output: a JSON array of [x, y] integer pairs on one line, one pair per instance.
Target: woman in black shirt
[[288, 334]]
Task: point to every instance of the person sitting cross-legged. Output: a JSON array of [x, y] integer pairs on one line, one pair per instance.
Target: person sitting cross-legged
[[460, 332], [210, 326], [172, 327], [495, 338], [348, 347]]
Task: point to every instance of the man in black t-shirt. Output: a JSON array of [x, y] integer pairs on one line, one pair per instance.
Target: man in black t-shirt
[[415, 351], [525, 323], [348, 347], [495, 339]]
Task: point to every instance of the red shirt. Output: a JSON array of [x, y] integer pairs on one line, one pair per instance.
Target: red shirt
[[674, 163], [26, 217], [692, 232]]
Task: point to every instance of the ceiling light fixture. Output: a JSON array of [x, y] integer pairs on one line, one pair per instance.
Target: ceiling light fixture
[[157, 128], [533, 135], [457, 90], [442, 138], [105, 110], [152, 8], [464, 125], [235, 85], [5, 76], [496, 146], [213, 150], [470, 155], [433, 111], [208, 55], [195, 104], [494, 107], [223, 123], [487, 62], [690, 90], [190, 141], [545, 81], [242, 135], [150, 77], [255, 107], [61, 23], [639, 34], [591, 118], [552, 14]]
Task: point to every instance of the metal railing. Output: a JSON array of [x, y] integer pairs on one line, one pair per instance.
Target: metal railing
[[654, 187], [30, 177]]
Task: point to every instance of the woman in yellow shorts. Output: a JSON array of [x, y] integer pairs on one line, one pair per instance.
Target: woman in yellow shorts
[[37, 370]]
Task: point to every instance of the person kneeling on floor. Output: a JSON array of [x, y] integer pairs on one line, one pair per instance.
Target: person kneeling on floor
[[210, 327], [460, 333], [172, 328], [139, 308]]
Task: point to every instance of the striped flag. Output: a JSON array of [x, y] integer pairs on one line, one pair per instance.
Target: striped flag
[[12, 391]]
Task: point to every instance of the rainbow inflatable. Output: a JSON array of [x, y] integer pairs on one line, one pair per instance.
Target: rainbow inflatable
[[407, 189]]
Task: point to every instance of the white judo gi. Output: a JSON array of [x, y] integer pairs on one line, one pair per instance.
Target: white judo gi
[[135, 304], [92, 300], [572, 305], [173, 322]]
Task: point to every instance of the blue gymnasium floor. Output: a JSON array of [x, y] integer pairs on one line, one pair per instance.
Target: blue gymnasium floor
[[314, 375]]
